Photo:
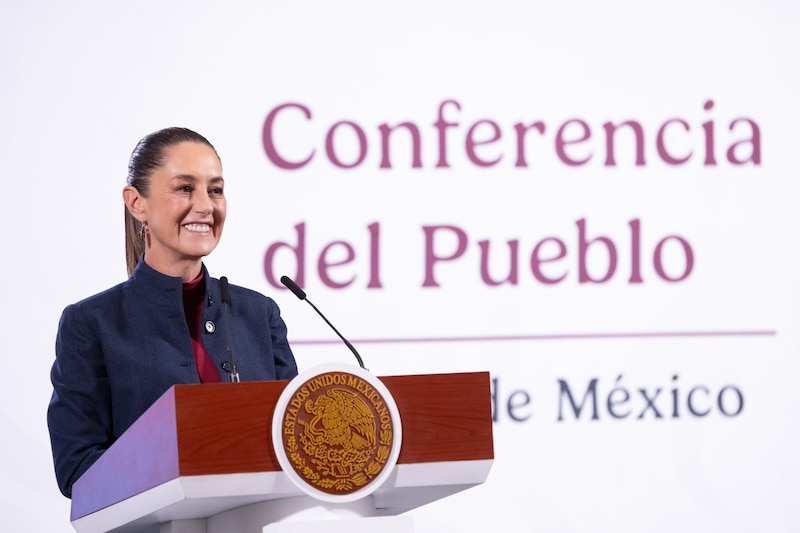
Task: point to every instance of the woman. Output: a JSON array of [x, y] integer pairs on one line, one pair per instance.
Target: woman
[[118, 351]]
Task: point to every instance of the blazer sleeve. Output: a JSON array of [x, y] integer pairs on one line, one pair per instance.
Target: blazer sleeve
[[285, 365], [79, 415]]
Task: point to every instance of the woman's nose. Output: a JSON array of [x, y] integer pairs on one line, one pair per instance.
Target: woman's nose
[[203, 203]]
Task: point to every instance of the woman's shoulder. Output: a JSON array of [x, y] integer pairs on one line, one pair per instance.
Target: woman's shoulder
[[245, 296], [237, 291], [101, 301]]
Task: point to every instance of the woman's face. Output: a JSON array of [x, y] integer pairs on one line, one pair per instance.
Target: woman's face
[[184, 209]]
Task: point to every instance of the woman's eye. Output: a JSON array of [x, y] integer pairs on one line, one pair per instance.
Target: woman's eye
[[185, 188], [217, 191]]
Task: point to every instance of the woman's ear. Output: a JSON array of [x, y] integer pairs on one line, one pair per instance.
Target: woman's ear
[[135, 203]]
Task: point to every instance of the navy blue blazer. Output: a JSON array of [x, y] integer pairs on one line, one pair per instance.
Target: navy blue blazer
[[120, 350]]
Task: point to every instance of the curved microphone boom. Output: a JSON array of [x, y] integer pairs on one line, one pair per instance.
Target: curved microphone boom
[[297, 291]]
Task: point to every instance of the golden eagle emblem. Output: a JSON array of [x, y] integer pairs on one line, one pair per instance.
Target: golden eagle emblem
[[337, 432], [340, 419]]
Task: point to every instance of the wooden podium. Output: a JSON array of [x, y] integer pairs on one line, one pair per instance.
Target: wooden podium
[[203, 455]]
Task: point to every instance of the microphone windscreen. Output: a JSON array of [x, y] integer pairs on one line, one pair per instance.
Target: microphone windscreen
[[224, 290], [292, 286]]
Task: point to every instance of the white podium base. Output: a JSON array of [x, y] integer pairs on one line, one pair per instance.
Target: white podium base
[[296, 515], [384, 524], [193, 525]]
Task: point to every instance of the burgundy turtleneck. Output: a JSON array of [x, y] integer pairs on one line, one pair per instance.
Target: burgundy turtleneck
[[193, 295]]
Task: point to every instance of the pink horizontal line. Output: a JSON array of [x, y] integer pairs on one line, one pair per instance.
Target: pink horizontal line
[[553, 336]]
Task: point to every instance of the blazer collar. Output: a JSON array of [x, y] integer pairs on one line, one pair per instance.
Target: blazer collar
[[159, 288]]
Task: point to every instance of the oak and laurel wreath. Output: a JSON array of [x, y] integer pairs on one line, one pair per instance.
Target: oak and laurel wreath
[[321, 454]]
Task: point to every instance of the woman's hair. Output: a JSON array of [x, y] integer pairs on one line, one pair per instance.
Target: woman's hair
[[147, 157]]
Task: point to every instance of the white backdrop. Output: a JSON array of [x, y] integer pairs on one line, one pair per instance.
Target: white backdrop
[[716, 353]]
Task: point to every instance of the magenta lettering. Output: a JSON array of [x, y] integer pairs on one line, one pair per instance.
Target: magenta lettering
[[337, 256], [595, 258], [588, 257], [573, 142]]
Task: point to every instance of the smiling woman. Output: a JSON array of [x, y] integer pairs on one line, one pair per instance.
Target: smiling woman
[[174, 202], [180, 208], [120, 350]]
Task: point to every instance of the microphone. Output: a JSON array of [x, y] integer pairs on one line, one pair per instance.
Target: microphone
[[292, 286], [225, 292]]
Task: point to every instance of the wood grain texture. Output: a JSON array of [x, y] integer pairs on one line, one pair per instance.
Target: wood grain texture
[[445, 417], [227, 429]]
